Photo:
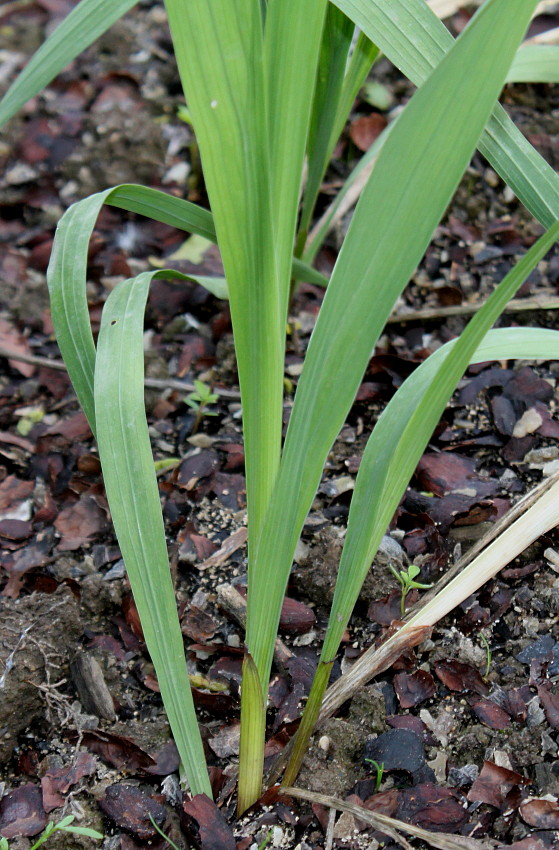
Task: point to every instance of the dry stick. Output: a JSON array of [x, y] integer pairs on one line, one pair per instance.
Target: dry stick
[[329, 843], [391, 826], [229, 598], [533, 516], [517, 305], [150, 383]]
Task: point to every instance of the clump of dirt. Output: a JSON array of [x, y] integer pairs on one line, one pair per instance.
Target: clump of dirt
[[332, 765], [36, 635]]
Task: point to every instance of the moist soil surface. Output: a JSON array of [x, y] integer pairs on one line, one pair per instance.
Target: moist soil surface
[[459, 736]]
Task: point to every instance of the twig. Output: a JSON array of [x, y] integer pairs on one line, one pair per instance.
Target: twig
[[150, 383], [517, 305], [329, 843], [230, 545], [229, 598], [391, 826]]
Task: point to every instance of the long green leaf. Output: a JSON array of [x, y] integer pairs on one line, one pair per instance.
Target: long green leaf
[[66, 274], [336, 89], [133, 494], [535, 63], [336, 42], [418, 169], [67, 271], [395, 447], [292, 29], [220, 53], [186, 216], [400, 436], [415, 40], [85, 23]]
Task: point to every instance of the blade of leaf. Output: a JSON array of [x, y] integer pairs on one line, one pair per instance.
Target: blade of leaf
[[85, 23], [133, 495], [67, 269], [415, 40], [391, 455], [334, 97], [537, 63], [66, 277], [186, 216], [400, 436], [334, 50], [441, 124], [222, 57], [293, 29], [502, 344]]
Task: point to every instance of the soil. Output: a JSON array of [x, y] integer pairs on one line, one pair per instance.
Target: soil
[[465, 726]]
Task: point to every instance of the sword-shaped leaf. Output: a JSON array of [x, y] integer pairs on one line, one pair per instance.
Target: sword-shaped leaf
[[133, 494], [417, 172], [415, 40]]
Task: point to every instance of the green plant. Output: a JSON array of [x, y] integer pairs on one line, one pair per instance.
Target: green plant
[[257, 115], [199, 400], [379, 768], [488, 654], [162, 834], [406, 579], [263, 844], [65, 825]]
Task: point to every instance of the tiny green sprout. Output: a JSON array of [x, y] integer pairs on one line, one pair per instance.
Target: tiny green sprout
[[380, 772], [198, 400], [267, 839], [406, 578], [65, 825], [162, 834], [489, 654], [166, 463], [184, 114]]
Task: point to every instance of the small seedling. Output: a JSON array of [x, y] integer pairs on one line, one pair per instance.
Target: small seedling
[[407, 581], [380, 772], [489, 654], [199, 400], [62, 826], [162, 834], [267, 839]]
